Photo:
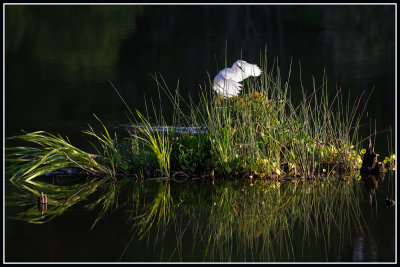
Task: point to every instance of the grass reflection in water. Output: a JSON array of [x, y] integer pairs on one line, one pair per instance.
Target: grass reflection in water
[[227, 220]]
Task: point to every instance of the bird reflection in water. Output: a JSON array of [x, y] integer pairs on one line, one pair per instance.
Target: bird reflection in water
[[363, 249]]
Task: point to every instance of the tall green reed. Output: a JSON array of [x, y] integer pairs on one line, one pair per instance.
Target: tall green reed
[[111, 156], [155, 140], [52, 153]]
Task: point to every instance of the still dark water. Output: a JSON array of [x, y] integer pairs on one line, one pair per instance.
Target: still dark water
[[59, 59]]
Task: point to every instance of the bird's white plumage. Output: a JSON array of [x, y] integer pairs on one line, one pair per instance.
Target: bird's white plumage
[[227, 81]]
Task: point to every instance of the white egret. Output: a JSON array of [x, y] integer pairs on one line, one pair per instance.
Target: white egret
[[227, 81]]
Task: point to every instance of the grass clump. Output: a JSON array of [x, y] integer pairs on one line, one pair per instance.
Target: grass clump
[[53, 153], [263, 134], [156, 141], [260, 134]]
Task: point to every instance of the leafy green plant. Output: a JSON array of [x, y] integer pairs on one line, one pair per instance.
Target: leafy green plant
[[190, 153]]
